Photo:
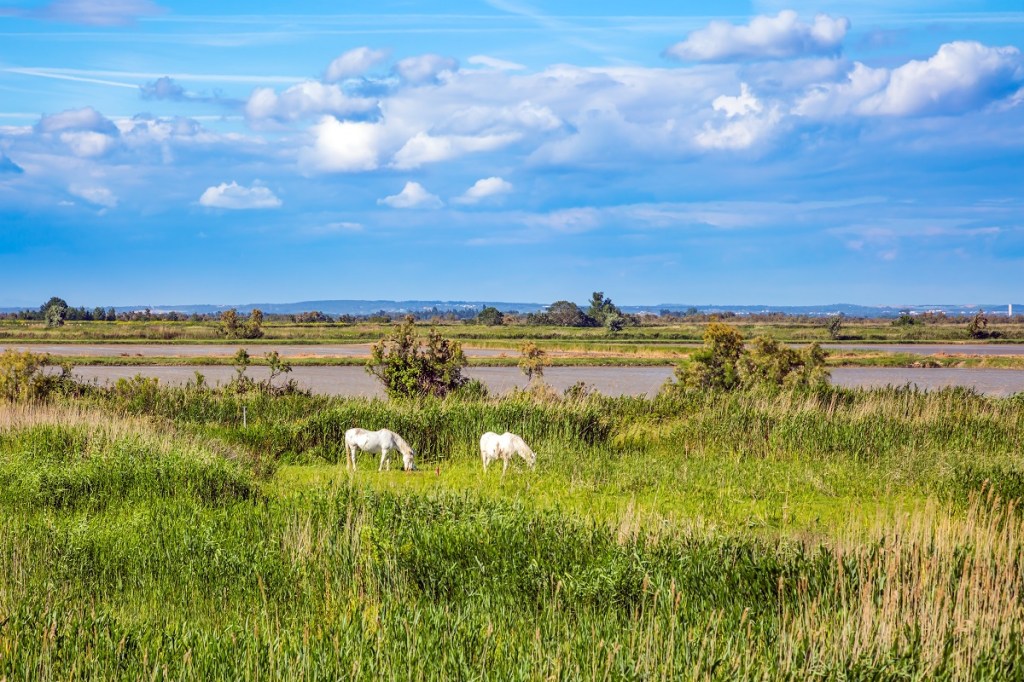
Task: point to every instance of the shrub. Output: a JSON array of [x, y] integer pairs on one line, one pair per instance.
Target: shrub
[[408, 367], [23, 376]]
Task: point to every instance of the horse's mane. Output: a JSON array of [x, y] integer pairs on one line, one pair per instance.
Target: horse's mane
[[521, 447], [404, 447]]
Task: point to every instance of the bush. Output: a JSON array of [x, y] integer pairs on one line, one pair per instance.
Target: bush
[[409, 368], [23, 376]]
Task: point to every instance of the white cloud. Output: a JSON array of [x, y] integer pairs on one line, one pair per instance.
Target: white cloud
[[423, 148], [87, 143], [85, 132], [741, 105], [495, 63], [413, 195], [85, 118], [778, 37], [239, 197], [424, 68], [344, 146], [485, 188], [960, 77], [748, 122], [354, 63], [100, 196], [310, 98]]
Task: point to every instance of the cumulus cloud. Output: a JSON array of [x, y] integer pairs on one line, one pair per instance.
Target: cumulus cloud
[[85, 118], [85, 132], [424, 148], [239, 197], [97, 12], [425, 68], [413, 195], [960, 77], [747, 122], [485, 188], [353, 63], [310, 98], [765, 37], [344, 146], [99, 196]]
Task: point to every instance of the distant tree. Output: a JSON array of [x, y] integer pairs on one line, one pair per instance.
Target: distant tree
[[602, 308], [99, 313], [232, 326], [490, 316], [229, 323], [532, 361], [904, 320], [835, 326], [253, 327], [408, 367], [111, 315], [977, 328], [54, 311], [311, 317], [568, 314]]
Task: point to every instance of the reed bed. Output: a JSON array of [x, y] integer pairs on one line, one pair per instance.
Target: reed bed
[[145, 533]]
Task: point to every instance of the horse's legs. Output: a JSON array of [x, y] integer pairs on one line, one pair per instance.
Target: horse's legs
[[504, 468], [383, 459], [350, 460]]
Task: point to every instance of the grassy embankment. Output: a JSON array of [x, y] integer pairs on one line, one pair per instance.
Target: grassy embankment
[[654, 334], [147, 533], [566, 347]]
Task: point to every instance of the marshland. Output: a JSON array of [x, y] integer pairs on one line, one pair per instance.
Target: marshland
[[757, 531]]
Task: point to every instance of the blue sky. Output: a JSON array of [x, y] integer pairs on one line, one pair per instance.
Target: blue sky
[[778, 152]]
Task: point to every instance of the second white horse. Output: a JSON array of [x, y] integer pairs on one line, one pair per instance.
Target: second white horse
[[379, 442], [505, 446]]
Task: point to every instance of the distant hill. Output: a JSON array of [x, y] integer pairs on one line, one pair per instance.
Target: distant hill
[[361, 307]]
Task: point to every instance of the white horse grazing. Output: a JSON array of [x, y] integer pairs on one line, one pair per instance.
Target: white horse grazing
[[505, 446], [378, 442]]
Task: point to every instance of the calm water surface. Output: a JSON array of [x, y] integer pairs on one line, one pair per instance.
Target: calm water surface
[[354, 381]]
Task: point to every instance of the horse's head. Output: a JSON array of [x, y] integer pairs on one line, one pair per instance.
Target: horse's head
[[409, 461]]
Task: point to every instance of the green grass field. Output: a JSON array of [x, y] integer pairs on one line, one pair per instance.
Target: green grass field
[[837, 534]]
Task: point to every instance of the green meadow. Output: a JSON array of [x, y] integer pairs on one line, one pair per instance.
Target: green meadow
[[153, 532]]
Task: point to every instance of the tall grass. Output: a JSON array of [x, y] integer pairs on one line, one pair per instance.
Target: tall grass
[[150, 580]]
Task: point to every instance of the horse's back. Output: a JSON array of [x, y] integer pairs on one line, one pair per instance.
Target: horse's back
[[489, 440]]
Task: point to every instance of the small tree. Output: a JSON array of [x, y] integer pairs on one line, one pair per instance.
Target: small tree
[[977, 328], [532, 361], [490, 316], [54, 311], [614, 324], [714, 366], [835, 326], [408, 367], [602, 309], [567, 314], [229, 323]]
